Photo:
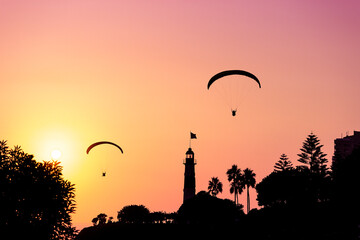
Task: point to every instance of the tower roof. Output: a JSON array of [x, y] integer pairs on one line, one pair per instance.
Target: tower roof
[[189, 151]]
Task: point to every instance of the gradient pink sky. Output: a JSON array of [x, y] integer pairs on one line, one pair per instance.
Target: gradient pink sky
[[135, 72]]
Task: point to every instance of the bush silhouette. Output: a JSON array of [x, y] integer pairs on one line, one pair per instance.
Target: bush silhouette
[[34, 197], [134, 214], [206, 209]]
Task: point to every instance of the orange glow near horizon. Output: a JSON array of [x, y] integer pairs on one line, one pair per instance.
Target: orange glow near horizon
[[135, 73]]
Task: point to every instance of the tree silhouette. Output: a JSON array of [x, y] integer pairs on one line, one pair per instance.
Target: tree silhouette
[[312, 156], [215, 186], [95, 221], [248, 181], [306, 186], [206, 209], [285, 189], [283, 164], [99, 219], [236, 182], [133, 214], [314, 159], [34, 197]]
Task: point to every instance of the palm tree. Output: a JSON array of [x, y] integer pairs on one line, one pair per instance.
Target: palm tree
[[236, 184], [215, 186], [249, 181]]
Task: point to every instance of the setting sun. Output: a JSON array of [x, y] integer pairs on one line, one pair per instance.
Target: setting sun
[[56, 154]]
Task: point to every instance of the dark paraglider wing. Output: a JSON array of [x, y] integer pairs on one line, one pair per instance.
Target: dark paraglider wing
[[232, 72], [102, 142]]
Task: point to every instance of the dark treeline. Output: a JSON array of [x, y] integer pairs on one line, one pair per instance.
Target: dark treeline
[[308, 201], [311, 197], [301, 199], [135, 214]]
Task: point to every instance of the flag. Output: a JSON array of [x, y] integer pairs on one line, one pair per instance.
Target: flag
[[192, 135]]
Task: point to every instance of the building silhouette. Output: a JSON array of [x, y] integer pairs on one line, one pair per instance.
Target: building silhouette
[[345, 146], [189, 176]]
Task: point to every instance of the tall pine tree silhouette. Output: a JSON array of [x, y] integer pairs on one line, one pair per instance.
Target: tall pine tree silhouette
[[312, 156]]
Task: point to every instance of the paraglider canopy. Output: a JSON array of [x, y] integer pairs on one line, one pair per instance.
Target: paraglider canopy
[[102, 142], [232, 72]]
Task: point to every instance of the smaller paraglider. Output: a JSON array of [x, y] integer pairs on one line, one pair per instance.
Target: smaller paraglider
[[233, 112], [99, 143]]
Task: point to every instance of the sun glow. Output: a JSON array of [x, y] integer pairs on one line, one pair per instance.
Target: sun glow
[[61, 144]]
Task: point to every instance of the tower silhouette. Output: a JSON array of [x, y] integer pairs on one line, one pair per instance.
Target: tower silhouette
[[189, 176]]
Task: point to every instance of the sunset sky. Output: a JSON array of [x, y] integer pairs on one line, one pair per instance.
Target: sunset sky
[[135, 72]]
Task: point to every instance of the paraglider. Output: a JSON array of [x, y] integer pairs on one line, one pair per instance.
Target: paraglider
[[99, 143], [233, 86]]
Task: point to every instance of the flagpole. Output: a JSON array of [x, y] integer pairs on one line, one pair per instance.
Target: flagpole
[[190, 142]]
